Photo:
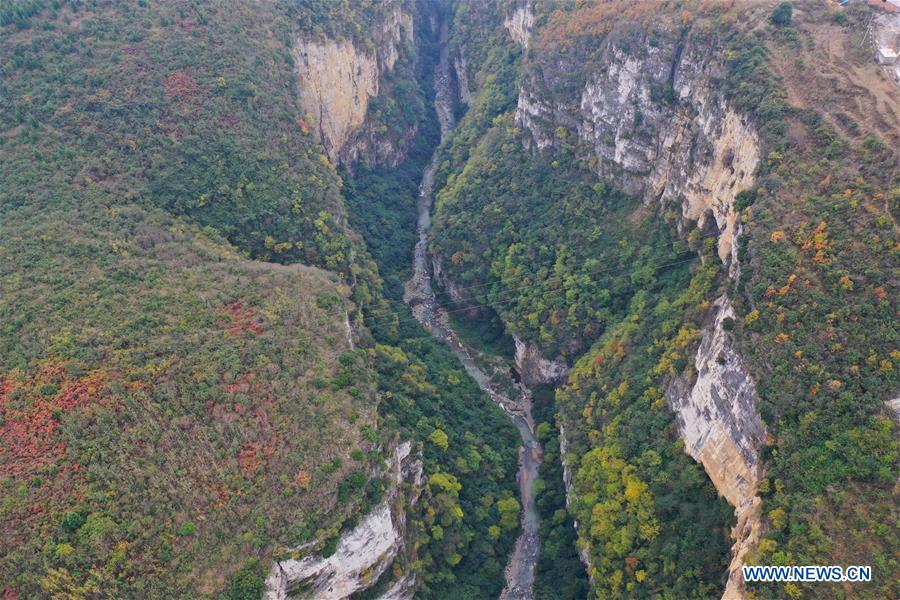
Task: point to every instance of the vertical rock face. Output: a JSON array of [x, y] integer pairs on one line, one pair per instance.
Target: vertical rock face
[[461, 75], [336, 80], [519, 23], [363, 553], [336, 83], [456, 292], [651, 120], [722, 430], [534, 368], [655, 126]]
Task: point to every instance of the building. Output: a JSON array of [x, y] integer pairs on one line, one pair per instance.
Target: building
[[885, 56]]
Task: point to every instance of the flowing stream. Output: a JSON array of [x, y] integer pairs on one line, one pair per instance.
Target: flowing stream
[[419, 295]]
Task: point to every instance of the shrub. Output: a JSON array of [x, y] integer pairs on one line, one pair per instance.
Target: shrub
[[782, 14]]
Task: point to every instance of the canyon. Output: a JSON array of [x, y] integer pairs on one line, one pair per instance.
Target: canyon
[[638, 144], [658, 125], [447, 298]]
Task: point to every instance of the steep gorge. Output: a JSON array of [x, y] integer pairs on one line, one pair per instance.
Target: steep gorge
[[688, 150], [681, 115], [646, 111], [650, 251]]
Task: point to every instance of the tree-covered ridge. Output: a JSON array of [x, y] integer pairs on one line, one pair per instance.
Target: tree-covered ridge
[[161, 405], [185, 106], [818, 305], [557, 253], [159, 393], [170, 411], [816, 296], [652, 521]]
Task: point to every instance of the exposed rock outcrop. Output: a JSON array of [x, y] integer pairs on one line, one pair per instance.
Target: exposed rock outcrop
[[402, 589], [654, 125], [461, 76], [534, 368], [455, 291], [650, 119], [894, 406], [337, 79], [721, 429], [520, 22], [886, 42], [363, 553]]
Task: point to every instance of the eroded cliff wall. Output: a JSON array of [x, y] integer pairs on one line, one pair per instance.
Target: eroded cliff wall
[[337, 78], [519, 22], [655, 125], [718, 421], [363, 553], [650, 118]]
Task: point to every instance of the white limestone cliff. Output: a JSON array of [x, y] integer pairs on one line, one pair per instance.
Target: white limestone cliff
[[520, 22], [363, 553], [337, 79], [721, 428], [688, 147]]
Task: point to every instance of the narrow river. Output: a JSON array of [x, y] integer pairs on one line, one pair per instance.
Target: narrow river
[[420, 297]]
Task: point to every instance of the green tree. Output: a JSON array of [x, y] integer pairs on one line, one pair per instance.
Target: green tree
[[782, 14]]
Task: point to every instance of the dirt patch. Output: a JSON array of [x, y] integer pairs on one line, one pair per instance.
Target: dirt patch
[[831, 70]]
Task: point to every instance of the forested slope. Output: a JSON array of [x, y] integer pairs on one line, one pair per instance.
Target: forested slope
[[177, 408], [163, 397], [684, 212], [591, 197]]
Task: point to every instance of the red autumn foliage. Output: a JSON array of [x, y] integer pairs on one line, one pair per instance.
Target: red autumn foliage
[[29, 440], [242, 319], [632, 562], [10, 594], [223, 494], [253, 456], [181, 83], [249, 459], [880, 293], [241, 384]]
